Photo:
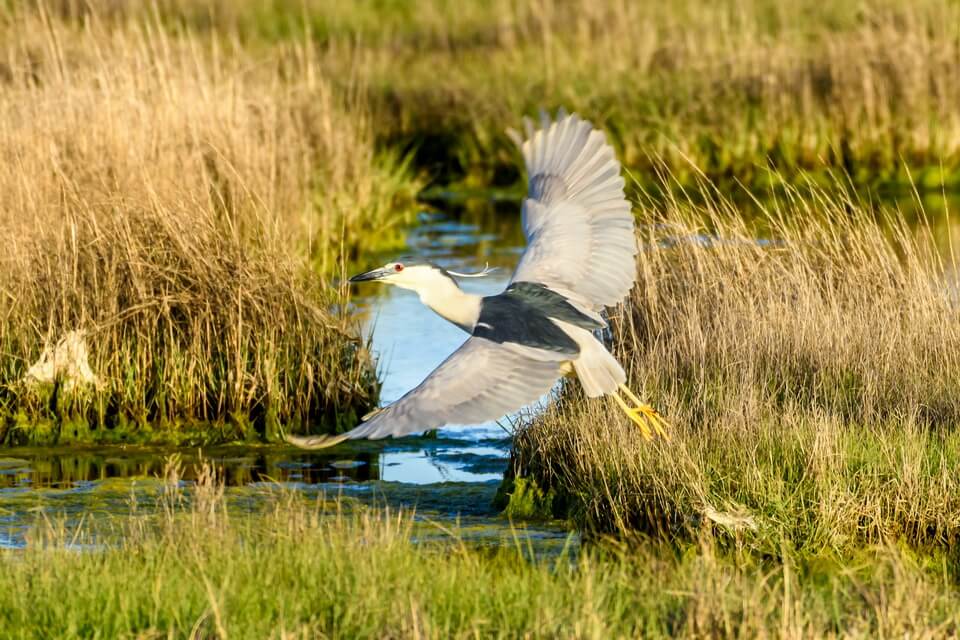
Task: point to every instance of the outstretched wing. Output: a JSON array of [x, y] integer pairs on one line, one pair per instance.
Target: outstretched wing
[[480, 381], [578, 223]]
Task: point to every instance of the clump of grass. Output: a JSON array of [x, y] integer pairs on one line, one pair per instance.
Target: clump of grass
[[166, 196], [297, 568], [809, 366]]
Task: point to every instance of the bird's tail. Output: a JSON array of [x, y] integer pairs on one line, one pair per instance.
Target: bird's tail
[[597, 369]]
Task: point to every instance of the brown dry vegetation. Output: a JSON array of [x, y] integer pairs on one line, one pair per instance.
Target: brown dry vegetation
[[810, 379], [733, 85], [164, 195], [175, 168]]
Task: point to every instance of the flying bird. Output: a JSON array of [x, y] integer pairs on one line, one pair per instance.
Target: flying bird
[[579, 259]]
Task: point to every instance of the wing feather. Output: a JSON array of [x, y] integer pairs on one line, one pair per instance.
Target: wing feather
[[480, 381], [578, 223]]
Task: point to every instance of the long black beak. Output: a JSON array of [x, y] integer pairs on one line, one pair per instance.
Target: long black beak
[[373, 274]]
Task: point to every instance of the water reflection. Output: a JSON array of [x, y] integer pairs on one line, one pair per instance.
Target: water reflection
[[59, 469], [412, 461]]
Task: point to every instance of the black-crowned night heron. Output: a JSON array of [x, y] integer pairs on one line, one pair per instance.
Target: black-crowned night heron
[[580, 258]]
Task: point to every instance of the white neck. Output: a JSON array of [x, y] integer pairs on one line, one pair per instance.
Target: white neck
[[442, 294]]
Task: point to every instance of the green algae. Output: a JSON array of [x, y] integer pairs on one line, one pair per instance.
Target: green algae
[[79, 430], [522, 498]]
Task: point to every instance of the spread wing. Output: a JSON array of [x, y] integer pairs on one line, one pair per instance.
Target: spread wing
[[578, 223], [482, 380]]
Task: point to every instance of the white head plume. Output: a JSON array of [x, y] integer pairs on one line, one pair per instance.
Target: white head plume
[[487, 270]]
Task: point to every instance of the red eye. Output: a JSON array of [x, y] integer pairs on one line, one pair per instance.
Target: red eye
[[398, 267]]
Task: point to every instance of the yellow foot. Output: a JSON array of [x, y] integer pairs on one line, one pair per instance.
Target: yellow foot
[[643, 415]]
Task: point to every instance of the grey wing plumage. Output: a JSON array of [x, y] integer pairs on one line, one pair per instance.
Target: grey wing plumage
[[578, 223], [480, 381]]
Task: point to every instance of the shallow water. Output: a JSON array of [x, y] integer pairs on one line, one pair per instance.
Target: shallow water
[[452, 476]]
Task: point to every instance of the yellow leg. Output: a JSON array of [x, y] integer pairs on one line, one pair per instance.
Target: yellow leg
[[649, 413], [634, 414], [631, 395]]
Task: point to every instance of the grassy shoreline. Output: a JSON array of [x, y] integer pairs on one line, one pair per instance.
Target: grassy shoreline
[[186, 181], [810, 377], [304, 569], [733, 88], [186, 210], [808, 364], [248, 141]]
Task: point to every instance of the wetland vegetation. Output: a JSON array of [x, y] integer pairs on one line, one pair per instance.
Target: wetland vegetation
[[318, 568], [187, 181], [259, 144], [810, 376], [174, 204], [730, 87]]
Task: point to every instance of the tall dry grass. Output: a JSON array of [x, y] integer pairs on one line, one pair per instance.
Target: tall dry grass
[[732, 85], [164, 195], [809, 366]]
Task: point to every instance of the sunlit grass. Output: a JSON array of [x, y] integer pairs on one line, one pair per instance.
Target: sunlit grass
[[245, 140], [185, 179], [189, 208], [808, 364], [734, 86]]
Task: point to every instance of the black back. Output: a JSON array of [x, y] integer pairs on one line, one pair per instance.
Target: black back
[[552, 304], [522, 315]]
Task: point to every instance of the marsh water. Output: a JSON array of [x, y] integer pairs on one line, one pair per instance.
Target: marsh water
[[453, 476]]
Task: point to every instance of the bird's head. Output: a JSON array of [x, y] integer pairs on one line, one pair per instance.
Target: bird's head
[[407, 274], [411, 273]]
